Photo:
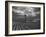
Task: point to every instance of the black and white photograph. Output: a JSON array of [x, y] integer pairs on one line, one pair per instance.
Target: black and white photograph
[[24, 18]]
